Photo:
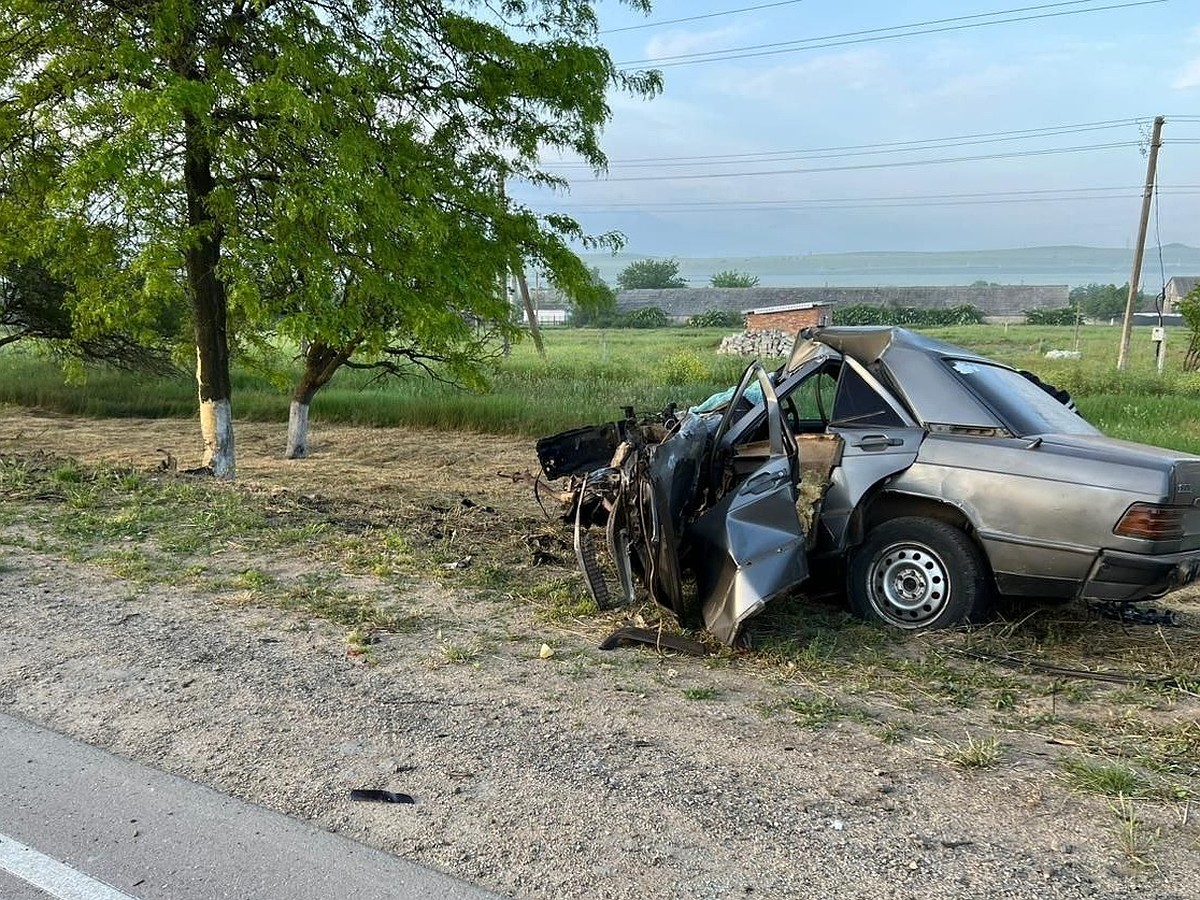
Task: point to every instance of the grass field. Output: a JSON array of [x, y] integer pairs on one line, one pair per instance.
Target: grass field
[[588, 375]]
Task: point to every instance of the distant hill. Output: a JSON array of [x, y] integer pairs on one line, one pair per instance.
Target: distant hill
[[1030, 265]]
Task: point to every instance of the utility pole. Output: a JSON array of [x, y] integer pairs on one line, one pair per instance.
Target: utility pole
[[1140, 248], [535, 330]]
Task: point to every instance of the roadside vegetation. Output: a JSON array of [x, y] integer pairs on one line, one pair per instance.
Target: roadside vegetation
[[588, 375]]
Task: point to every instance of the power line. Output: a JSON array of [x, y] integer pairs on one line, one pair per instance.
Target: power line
[[857, 149], [1082, 195], [915, 29], [714, 15], [956, 195], [1018, 154]]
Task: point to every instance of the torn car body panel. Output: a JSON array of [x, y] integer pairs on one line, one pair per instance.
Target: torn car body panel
[[749, 548], [749, 545], [744, 547]]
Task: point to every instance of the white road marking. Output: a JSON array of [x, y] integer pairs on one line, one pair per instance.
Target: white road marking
[[48, 874]]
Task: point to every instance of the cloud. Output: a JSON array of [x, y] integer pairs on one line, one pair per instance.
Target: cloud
[[679, 43], [858, 71], [1189, 78], [983, 84]]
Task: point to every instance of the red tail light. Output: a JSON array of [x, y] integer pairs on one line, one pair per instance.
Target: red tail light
[[1147, 520]]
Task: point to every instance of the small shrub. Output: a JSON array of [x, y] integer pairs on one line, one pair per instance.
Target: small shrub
[[975, 753], [909, 316], [717, 318], [1064, 316], [646, 317], [682, 367]]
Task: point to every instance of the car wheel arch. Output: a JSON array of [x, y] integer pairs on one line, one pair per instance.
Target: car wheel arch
[[884, 505]]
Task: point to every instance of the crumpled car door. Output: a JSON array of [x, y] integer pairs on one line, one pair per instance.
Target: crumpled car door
[[749, 546]]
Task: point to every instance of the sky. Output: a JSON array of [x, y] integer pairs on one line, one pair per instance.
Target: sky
[[866, 125]]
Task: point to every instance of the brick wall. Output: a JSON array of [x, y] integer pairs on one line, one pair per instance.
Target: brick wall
[[791, 321]]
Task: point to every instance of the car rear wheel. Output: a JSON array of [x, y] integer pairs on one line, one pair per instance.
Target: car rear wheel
[[917, 573]]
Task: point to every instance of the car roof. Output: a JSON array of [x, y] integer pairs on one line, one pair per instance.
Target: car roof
[[916, 369]]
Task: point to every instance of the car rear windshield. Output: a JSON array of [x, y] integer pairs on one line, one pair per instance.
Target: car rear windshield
[[1023, 406]]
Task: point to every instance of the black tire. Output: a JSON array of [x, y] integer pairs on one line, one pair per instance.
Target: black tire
[[915, 573]]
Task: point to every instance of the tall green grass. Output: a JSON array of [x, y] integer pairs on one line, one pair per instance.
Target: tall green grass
[[588, 375]]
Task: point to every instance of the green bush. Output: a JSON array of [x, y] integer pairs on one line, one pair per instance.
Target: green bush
[[908, 316], [646, 317], [682, 367], [717, 318], [1064, 316]]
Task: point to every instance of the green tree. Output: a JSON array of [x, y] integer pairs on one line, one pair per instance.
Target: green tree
[[1189, 308], [731, 278], [603, 307], [1105, 301], [650, 273], [330, 170]]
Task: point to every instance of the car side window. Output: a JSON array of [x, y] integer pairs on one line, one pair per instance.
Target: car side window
[[813, 397], [857, 403]]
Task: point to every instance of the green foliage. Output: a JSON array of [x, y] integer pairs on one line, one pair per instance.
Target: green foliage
[[732, 278], [650, 273], [1064, 316], [682, 367], [1189, 308], [908, 316], [717, 318], [330, 171], [1106, 301], [646, 317], [601, 310]]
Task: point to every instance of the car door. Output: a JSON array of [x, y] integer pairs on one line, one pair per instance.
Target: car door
[[880, 438], [749, 546]]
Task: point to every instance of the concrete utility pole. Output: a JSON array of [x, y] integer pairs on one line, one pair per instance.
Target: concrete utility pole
[[1140, 248]]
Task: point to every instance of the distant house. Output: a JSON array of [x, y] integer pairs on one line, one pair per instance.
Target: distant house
[[790, 318], [680, 304], [998, 301], [1178, 288], [548, 317]]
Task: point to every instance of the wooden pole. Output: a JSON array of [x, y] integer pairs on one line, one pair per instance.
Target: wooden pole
[[1140, 249], [530, 313]]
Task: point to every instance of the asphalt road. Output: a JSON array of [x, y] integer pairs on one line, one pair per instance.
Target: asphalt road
[[78, 823]]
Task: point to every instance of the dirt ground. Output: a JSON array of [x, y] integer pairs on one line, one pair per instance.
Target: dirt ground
[[540, 766]]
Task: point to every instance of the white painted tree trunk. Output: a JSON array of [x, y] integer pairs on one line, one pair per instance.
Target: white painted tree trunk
[[297, 439], [216, 425]]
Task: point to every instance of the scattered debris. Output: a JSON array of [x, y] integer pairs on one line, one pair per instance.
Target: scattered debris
[[1135, 615], [373, 795], [660, 640]]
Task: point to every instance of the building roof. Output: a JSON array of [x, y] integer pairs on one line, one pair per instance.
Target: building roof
[[787, 307], [1182, 285]]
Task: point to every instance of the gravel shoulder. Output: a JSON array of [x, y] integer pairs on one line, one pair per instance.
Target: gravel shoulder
[[584, 774]]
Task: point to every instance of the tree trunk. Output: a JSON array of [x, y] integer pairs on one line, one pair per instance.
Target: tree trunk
[[321, 363], [209, 303], [297, 438]]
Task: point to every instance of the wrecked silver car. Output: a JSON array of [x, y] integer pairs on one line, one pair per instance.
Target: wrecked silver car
[[932, 477]]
